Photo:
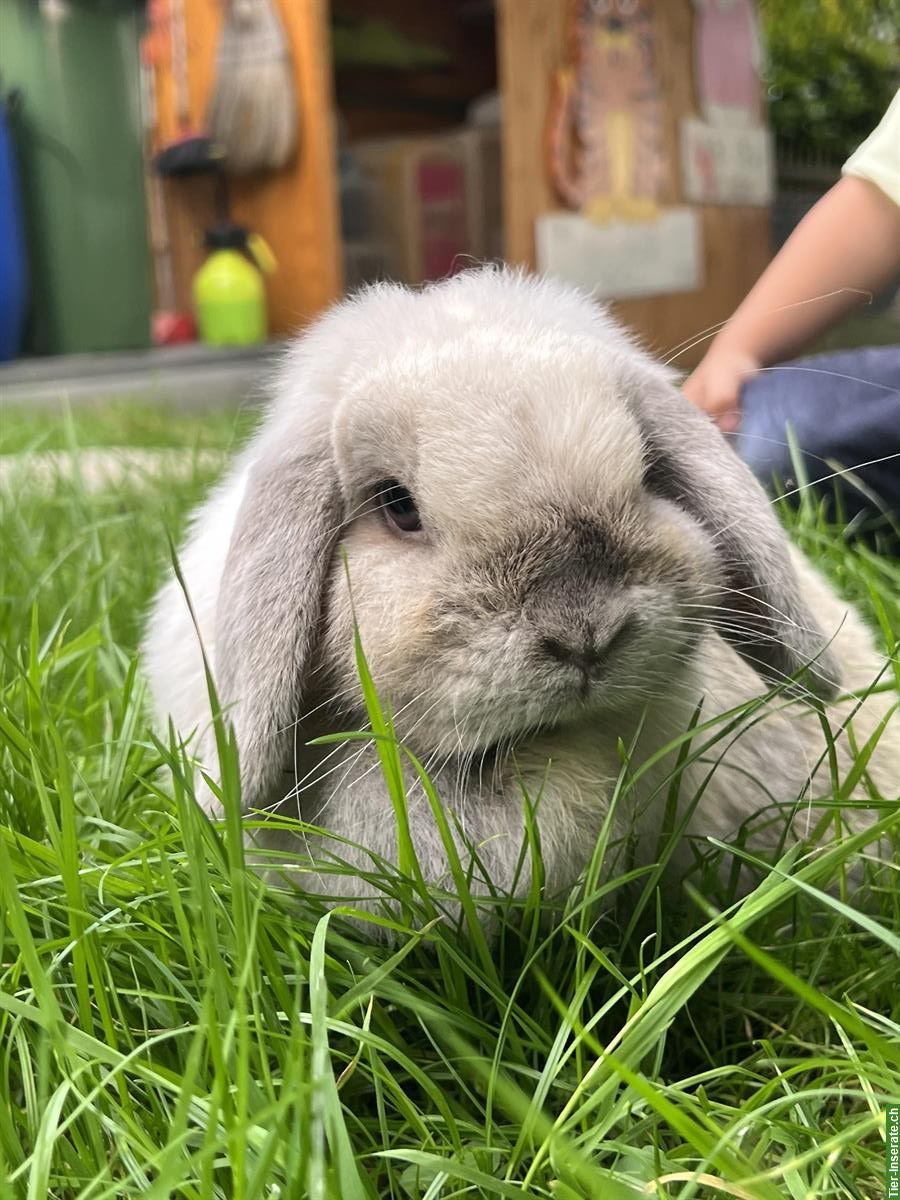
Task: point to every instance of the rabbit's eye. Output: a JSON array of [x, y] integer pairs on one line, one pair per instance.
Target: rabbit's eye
[[398, 506]]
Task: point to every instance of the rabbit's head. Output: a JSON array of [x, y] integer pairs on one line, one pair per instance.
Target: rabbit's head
[[536, 527]]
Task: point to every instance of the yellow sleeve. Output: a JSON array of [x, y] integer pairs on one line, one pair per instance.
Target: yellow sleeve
[[878, 158]]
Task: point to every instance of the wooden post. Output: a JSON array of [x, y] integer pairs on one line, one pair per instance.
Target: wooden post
[[736, 239], [295, 209]]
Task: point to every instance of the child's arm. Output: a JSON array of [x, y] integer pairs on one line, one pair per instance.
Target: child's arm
[[845, 248]]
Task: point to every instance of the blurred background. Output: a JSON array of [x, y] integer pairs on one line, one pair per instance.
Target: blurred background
[[184, 182]]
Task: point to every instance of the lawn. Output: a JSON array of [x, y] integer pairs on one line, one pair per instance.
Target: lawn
[[170, 1026]]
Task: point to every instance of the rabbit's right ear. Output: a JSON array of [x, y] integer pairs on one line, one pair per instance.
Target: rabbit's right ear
[[269, 609], [768, 621]]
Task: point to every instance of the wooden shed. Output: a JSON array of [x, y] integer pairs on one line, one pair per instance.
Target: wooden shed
[[477, 91]]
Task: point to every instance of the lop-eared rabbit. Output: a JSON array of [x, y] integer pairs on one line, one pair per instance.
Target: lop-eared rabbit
[[547, 551]]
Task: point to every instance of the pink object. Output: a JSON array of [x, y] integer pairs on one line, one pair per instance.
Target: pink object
[[172, 328], [445, 228], [726, 49]]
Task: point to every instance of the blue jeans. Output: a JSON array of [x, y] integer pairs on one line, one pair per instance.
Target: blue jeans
[[844, 410]]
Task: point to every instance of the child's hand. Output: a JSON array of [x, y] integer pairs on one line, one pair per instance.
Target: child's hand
[[715, 386]]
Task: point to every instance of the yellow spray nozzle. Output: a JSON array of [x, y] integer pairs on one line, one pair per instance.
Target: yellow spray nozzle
[[262, 253]]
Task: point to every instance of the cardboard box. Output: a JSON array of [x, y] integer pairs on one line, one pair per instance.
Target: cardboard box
[[436, 201]]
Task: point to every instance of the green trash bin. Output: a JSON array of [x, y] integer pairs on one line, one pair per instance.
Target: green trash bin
[[76, 65]]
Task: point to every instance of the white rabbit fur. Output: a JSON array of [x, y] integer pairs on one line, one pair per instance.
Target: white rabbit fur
[[588, 544]]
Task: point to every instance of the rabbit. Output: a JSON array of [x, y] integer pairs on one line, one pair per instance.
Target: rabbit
[[547, 552]]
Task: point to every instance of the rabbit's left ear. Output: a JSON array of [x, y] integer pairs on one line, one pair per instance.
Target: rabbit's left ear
[[768, 622], [269, 609]]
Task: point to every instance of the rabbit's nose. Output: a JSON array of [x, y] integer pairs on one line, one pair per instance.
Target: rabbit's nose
[[586, 650], [585, 654]]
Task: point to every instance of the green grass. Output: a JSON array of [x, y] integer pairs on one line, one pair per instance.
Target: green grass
[[172, 1027], [53, 427]]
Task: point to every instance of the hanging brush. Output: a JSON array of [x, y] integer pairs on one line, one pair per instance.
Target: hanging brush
[[253, 109]]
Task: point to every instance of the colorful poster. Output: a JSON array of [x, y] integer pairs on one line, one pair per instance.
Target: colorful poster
[[727, 58], [726, 163], [726, 154], [604, 128]]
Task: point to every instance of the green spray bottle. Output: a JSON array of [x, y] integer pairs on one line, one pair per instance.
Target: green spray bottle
[[229, 289]]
